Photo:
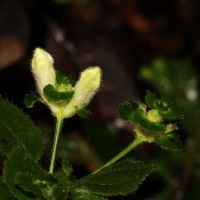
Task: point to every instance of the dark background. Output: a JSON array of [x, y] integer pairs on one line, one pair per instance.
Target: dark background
[[120, 36]]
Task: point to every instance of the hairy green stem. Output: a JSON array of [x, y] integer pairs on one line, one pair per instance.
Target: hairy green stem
[[59, 123], [131, 146]]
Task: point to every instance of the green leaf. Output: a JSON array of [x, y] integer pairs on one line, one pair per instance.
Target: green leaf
[[118, 179], [55, 95], [31, 99], [60, 190], [24, 186], [170, 141], [126, 110], [16, 129], [25, 178], [151, 99], [4, 192], [172, 113], [67, 167], [143, 121], [84, 112], [82, 194], [166, 109], [62, 78]]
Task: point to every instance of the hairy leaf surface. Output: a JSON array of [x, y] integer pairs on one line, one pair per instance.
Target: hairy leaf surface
[[118, 179], [25, 178], [16, 129]]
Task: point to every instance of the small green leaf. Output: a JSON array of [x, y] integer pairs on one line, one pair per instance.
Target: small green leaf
[[62, 78], [82, 194], [171, 113], [31, 99], [170, 141], [126, 110], [143, 121], [151, 99], [55, 95], [4, 192], [157, 103], [166, 109], [67, 167], [84, 112], [25, 178], [61, 190], [16, 129], [118, 179], [24, 185]]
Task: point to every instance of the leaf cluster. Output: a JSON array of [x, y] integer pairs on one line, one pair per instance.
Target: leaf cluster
[[24, 178], [21, 143], [156, 120]]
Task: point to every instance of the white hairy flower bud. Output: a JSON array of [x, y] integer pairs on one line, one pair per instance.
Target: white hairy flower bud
[[42, 69], [44, 74], [84, 90]]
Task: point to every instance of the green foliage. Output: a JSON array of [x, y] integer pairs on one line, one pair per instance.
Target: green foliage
[[170, 141], [22, 145], [153, 120], [54, 95], [31, 99], [25, 178], [118, 179], [137, 113], [67, 167], [60, 190], [82, 194], [17, 130], [177, 80], [4, 192], [63, 78], [165, 108], [127, 109], [84, 112], [142, 119], [131, 111]]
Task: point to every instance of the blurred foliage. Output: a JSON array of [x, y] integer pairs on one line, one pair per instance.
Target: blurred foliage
[[177, 80], [99, 144], [104, 138], [78, 150]]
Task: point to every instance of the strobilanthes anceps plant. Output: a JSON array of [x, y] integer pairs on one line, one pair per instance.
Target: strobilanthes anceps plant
[[154, 121], [58, 92]]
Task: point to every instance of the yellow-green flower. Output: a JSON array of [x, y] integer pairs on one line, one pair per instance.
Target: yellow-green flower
[[84, 90]]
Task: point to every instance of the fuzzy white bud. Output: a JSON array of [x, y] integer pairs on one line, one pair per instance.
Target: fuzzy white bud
[[42, 69], [87, 86], [84, 90]]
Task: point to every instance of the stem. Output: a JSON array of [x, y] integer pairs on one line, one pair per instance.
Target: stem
[[130, 147], [59, 123]]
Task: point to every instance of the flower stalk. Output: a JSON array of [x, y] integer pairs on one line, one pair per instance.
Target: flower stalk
[[59, 124], [124, 152], [58, 93]]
